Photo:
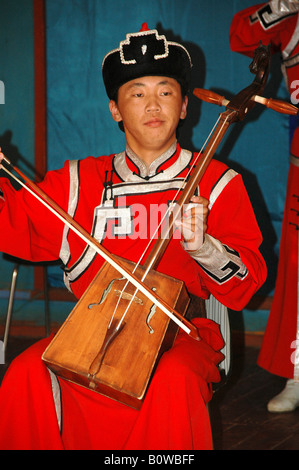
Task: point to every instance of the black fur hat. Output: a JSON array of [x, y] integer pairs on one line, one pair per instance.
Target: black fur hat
[[142, 54]]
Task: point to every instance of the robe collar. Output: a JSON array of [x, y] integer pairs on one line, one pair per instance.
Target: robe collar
[[137, 165]]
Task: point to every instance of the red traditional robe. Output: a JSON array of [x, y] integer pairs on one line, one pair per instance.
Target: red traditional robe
[[116, 199], [280, 349]]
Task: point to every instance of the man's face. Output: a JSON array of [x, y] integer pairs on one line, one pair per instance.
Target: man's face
[[150, 108]]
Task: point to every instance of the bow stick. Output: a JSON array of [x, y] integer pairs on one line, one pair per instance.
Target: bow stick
[[42, 197]]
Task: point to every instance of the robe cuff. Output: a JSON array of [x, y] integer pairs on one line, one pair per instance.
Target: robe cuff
[[219, 261]]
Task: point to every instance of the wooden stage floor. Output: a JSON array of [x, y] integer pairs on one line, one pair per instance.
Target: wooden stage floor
[[239, 416], [238, 411]]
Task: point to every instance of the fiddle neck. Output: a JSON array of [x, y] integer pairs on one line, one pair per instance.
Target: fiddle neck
[[161, 244]]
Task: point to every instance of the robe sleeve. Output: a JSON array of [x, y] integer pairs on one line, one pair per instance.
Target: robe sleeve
[[29, 230], [230, 265], [261, 23]]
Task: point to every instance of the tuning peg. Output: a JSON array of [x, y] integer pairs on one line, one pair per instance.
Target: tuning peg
[[277, 105], [210, 96]]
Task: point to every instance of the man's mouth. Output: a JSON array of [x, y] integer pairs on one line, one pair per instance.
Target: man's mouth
[[154, 122]]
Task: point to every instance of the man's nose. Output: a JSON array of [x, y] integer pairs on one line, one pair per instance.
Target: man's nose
[[153, 105]]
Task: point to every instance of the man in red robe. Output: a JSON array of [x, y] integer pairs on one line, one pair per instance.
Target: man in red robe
[[277, 23], [215, 250]]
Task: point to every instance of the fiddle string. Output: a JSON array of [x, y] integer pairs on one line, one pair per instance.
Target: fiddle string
[[167, 212], [170, 207]]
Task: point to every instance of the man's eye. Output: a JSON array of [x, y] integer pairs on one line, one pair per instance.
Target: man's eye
[[166, 93], [138, 95]]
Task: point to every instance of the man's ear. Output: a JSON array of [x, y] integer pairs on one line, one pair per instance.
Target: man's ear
[[114, 111], [184, 108]]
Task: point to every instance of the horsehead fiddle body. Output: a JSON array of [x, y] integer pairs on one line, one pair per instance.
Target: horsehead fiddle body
[[105, 357]]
